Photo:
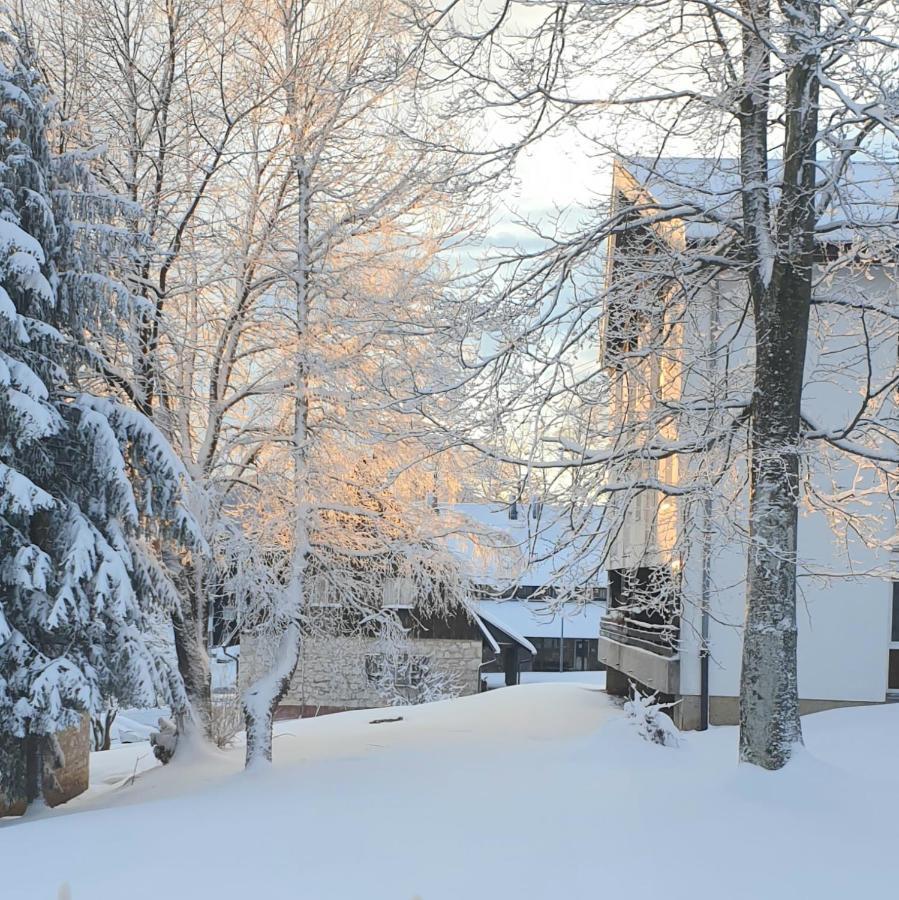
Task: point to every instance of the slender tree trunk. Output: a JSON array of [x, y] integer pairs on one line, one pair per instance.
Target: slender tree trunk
[[262, 699]]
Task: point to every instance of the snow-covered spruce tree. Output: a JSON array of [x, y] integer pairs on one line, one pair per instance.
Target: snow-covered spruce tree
[[90, 494], [171, 93]]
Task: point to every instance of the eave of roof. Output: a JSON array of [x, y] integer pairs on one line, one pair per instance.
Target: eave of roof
[[503, 627], [706, 193]]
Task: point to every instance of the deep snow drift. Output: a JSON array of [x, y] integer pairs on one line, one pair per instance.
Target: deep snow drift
[[544, 791]]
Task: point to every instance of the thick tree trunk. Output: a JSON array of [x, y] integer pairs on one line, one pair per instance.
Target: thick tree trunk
[[769, 704], [34, 769], [194, 668], [780, 247], [193, 664]]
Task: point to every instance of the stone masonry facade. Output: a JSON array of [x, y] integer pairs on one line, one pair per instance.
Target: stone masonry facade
[[332, 672], [67, 782]]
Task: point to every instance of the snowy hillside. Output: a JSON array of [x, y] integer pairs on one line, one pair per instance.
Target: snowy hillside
[[543, 791]]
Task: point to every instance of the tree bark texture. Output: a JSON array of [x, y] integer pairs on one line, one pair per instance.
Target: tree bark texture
[[193, 662], [780, 246]]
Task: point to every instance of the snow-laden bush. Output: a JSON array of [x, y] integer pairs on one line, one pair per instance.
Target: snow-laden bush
[[435, 684], [652, 722], [164, 741], [225, 719]]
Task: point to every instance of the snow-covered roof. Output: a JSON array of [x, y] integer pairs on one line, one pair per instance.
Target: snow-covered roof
[[866, 195], [542, 546], [488, 616], [488, 636], [540, 620]]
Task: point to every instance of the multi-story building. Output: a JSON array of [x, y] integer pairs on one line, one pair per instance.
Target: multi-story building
[[678, 352]]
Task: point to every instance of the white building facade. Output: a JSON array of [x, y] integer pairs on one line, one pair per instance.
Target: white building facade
[[683, 371]]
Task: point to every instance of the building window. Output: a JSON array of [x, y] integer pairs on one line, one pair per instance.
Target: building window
[[398, 593], [547, 658], [321, 592], [578, 654], [418, 668], [893, 669], [589, 594], [532, 591]]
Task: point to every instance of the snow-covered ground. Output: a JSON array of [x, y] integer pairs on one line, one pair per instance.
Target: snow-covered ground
[[543, 791], [133, 725]]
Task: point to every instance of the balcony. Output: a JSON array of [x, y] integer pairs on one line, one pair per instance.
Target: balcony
[[647, 637], [642, 652]]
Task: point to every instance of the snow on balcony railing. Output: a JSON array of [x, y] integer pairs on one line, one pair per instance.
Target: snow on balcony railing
[[660, 641]]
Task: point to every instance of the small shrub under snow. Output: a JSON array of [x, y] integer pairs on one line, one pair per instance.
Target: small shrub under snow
[[164, 741], [651, 720], [225, 719]]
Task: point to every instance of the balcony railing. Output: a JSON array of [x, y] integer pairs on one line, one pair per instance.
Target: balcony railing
[[661, 641]]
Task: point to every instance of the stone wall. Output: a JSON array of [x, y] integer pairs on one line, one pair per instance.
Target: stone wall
[[332, 672], [71, 780]]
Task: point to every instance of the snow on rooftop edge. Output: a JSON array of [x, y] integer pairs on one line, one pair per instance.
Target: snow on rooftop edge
[[542, 620], [543, 549], [494, 620], [867, 197]]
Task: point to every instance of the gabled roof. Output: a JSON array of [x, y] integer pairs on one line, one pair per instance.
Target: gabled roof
[[545, 620], [491, 619], [488, 634]]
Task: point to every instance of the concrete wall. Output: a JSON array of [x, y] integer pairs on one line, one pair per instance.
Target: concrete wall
[[843, 640], [331, 672], [843, 602], [656, 672], [726, 710]]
